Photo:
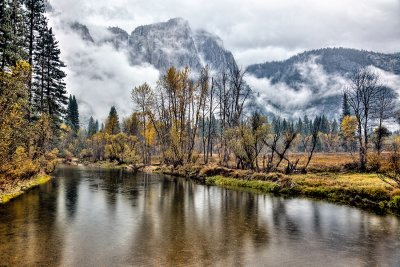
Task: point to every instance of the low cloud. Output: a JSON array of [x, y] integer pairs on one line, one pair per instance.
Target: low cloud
[[303, 98], [98, 75]]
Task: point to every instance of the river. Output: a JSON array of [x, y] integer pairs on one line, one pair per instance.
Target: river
[[93, 217]]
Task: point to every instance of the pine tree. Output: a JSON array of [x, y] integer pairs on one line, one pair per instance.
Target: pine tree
[[325, 125], [299, 126], [75, 114], [334, 127], [49, 86], [112, 123], [11, 33], [92, 127], [345, 106], [34, 17], [72, 118]]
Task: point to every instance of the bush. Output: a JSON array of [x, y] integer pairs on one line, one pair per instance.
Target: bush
[[395, 204], [22, 167]]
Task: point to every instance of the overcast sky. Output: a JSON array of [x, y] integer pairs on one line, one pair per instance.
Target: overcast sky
[[258, 30]]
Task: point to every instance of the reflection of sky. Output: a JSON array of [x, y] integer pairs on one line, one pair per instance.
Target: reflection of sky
[[109, 218]]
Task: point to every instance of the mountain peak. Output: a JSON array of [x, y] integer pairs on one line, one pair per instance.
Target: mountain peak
[[166, 44], [178, 21]]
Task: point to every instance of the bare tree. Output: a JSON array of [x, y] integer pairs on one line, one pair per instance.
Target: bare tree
[[314, 139], [233, 93], [385, 109], [363, 94]]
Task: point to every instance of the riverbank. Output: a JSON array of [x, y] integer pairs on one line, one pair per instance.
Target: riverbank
[[362, 190], [14, 188]]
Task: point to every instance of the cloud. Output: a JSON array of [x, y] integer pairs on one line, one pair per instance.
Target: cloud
[[258, 31], [99, 76], [306, 97], [388, 79]]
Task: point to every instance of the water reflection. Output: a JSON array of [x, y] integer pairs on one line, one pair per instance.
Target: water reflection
[[105, 217]]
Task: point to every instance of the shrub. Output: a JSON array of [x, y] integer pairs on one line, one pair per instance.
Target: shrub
[[22, 166], [394, 204]]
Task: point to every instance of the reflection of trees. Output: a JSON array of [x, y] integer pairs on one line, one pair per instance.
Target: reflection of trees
[[282, 221], [29, 232], [177, 222], [71, 184], [183, 232]]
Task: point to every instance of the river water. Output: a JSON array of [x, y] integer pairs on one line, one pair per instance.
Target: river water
[[92, 217]]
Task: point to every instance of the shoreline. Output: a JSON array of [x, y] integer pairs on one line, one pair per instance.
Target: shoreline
[[361, 190], [17, 188], [379, 199]]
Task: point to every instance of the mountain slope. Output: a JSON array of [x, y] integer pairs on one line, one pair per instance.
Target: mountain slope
[[312, 82], [166, 44], [340, 61]]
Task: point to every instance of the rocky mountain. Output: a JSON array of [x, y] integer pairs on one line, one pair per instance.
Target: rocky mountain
[[211, 50], [166, 44], [82, 30]]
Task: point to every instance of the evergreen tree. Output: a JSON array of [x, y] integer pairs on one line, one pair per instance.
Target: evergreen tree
[[345, 106], [72, 118], [92, 127], [34, 17], [48, 85], [75, 113], [335, 127], [325, 125], [112, 123], [306, 125], [11, 33], [299, 126]]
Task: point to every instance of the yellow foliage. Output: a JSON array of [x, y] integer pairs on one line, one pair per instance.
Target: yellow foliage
[[149, 134], [349, 127], [22, 166]]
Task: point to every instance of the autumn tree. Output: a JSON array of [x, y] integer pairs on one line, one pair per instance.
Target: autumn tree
[[142, 97], [131, 124], [176, 114], [112, 123], [14, 104], [349, 128], [247, 140]]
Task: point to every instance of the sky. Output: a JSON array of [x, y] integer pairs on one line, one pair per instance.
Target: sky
[[258, 30], [254, 31]]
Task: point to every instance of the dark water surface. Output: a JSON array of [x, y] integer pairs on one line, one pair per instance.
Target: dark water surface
[[91, 217]]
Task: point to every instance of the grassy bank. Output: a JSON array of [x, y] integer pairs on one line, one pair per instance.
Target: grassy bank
[[362, 190], [15, 188]]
